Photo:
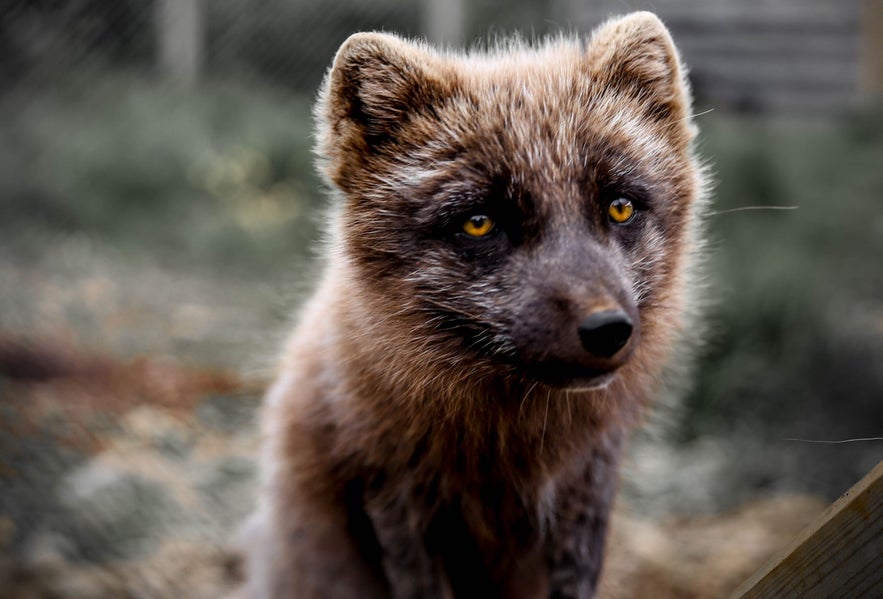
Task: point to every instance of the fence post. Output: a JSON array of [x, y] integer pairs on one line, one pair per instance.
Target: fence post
[[840, 555], [444, 22], [872, 48], [179, 31]]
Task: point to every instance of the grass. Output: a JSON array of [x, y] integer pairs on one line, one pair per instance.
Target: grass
[[217, 183], [797, 319], [140, 218], [220, 175]]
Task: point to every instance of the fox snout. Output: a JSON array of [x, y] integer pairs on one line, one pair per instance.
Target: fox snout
[[589, 348], [606, 332], [603, 340], [576, 319], [574, 343]]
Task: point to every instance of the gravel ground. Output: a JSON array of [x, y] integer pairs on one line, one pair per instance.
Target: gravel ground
[[128, 401]]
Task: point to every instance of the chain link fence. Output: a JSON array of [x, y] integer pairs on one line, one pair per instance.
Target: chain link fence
[[789, 58], [158, 208], [287, 43]]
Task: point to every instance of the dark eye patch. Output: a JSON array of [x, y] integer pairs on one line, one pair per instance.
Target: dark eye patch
[[444, 207]]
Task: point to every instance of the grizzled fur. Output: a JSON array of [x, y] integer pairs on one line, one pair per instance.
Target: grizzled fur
[[436, 428]]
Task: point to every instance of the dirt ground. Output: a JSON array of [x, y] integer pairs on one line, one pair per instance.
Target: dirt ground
[[128, 443], [129, 479]]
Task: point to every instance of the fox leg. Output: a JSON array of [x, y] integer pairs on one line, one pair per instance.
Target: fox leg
[[313, 548], [411, 572], [576, 547]]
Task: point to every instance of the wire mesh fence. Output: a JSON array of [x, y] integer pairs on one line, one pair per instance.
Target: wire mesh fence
[[288, 43], [808, 58], [157, 206]]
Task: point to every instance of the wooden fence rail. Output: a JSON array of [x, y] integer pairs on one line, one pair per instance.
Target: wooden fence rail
[[839, 556]]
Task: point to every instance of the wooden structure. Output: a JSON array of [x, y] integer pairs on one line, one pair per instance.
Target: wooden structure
[[872, 48], [179, 28], [444, 23], [794, 58], [840, 555]]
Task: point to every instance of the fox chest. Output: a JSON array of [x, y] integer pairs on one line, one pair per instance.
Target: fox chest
[[487, 543]]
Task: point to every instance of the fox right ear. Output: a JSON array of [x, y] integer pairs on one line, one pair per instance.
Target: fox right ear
[[635, 55], [377, 82]]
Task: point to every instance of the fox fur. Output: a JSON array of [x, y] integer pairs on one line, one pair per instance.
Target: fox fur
[[437, 428]]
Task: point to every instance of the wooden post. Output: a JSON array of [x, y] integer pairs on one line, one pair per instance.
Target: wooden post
[[871, 81], [179, 28], [444, 22], [840, 555]]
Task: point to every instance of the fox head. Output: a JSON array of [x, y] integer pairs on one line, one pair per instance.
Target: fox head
[[528, 207]]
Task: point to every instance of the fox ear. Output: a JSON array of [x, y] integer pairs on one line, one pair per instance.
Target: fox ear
[[376, 83], [635, 55]]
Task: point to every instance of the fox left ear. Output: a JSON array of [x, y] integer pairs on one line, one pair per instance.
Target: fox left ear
[[636, 56], [377, 89], [377, 82]]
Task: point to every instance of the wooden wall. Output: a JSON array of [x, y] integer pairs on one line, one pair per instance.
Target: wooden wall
[[797, 58]]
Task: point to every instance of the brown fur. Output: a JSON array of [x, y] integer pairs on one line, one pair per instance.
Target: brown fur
[[436, 428]]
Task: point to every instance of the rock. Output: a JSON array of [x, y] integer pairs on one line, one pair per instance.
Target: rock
[[160, 429], [225, 413], [46, 549], [227, 486], [109, 514]]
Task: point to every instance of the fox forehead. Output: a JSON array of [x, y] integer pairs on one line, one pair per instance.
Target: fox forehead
[[552, 168], [533, 109], [557, 123], [539, 126], [551, 144]]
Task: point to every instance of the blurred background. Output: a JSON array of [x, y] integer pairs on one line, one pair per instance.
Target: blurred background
[[158, 215]]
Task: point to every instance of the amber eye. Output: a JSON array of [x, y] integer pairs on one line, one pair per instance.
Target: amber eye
[[621, 211], [478, 225]]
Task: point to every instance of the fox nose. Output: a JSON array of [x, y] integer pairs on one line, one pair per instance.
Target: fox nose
[[605, 333]]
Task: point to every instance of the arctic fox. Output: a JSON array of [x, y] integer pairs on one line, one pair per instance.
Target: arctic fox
[[509, 267]]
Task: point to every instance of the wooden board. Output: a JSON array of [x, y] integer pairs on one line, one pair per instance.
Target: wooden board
[[840, 555]]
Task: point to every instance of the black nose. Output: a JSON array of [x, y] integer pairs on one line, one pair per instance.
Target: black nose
[[605, 333]]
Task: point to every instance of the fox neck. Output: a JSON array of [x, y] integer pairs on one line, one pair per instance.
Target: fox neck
[[419, 390]]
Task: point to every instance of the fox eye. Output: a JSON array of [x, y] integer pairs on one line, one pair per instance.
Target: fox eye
[[621, 211], [478, 225]]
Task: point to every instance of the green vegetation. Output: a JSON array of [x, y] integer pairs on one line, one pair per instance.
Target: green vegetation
[[218, 184], [220, 176], [797, 321]]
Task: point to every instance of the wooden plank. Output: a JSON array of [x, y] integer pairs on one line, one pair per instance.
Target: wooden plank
[[827, 45], [444, 23], [771, 49], [753, 13], [179, 27], [872, 48], [781, 74], [840, 555]]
